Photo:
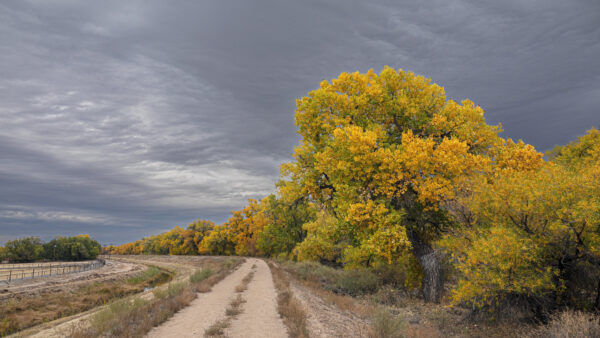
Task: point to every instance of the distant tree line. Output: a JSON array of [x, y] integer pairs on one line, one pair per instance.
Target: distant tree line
[[31, 249]]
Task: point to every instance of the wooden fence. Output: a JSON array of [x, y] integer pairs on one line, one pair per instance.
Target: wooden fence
[[13, 272]]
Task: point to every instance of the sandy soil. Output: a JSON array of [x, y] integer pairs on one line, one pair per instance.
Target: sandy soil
[[259, 317]]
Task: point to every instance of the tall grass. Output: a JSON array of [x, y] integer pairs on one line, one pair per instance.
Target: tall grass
[[571, 324]]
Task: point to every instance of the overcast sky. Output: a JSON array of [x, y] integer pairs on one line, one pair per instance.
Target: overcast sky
[[122, 119]]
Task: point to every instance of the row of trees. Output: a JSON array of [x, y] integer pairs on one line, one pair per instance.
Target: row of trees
[[270, 227], [31, 249], [389, 171]]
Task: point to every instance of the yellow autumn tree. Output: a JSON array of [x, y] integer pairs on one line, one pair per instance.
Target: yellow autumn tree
[[218, 242], [383, 153], [534, 233]]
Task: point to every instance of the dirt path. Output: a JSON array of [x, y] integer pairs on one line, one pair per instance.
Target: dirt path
[[260, 317]]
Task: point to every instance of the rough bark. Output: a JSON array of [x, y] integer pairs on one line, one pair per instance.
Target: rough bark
[[432, 283]]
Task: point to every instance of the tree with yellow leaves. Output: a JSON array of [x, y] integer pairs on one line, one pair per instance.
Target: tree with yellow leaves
[[383, 153], [534, 233]]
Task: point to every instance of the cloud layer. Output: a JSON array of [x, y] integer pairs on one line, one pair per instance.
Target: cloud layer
[[123, 119]]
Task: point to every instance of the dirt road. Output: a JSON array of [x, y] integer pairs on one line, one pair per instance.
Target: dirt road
[[258, 319]]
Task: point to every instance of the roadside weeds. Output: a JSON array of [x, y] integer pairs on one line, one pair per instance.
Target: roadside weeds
[[289, 308]]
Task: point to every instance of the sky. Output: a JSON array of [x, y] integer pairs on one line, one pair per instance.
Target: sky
[[123, 119]]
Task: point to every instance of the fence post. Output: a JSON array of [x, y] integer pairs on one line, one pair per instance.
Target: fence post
[[9, 275], [33, 273]]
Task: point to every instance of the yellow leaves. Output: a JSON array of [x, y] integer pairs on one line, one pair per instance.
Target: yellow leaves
[[434, 170], [366, 215], [320, 239], [530, 216], [581, 154], [245, 226], [498, 260], [511, 156]]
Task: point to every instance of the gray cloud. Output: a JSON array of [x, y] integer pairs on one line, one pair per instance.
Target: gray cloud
[[123, 119]]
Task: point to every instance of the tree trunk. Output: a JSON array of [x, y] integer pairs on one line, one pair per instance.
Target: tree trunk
[[597, 302], [432, 284]]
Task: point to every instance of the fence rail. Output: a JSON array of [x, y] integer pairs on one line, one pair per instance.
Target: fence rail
[[13, 272]]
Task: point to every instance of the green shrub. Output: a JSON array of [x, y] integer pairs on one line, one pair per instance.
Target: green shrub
[[313, 271], [351, 282], [75, 248], [386, 325], [201, 275], [175, 289], [354, 282], [147, 274]]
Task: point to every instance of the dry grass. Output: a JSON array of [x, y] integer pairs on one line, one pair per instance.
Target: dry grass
[[293, 314], [217, 329], [384, 324], [244, 285], [571, 324], [342, 302], [26, 311], [235, 307]]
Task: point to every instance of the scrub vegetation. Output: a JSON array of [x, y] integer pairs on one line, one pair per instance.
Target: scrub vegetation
[[27, 310]]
